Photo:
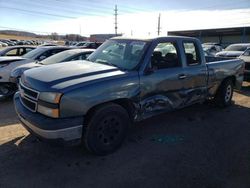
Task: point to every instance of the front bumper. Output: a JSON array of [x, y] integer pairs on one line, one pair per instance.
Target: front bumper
[[52, 129]]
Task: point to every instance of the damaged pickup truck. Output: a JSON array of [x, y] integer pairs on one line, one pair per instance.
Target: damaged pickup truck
[[123, 81]]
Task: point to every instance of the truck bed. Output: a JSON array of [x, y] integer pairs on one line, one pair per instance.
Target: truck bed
[[221, 68]]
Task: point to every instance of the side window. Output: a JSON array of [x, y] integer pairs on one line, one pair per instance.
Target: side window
[[83, 56], [192, 53], [165, 56], [78, 57], [53, 52], [49, 53], [12, 53], [28, 49]]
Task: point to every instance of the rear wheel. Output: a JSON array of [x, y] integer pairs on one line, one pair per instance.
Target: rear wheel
[[106, 129], [224, 94]]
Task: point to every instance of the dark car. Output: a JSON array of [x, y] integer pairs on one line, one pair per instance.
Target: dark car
[[43, 52], [81, 43], [91, 45], [233, 50], [68, 55], [16, 50]]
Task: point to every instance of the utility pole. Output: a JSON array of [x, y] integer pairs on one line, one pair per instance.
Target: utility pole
[[159, 25], [116, 19]]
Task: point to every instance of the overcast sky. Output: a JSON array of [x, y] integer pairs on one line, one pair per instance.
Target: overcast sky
[[134, 17]]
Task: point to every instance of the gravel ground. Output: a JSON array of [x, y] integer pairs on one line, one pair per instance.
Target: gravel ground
[[199, 146]]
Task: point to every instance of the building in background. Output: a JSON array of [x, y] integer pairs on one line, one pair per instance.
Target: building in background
[[101, 37], [223, 36]]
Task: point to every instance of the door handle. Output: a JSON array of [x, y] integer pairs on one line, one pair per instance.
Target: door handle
[[182, 76]]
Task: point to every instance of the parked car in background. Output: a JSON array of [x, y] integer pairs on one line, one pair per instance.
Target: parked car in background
[[233, 50], [124, 80], [16, 50], [80, 44], [67, 55], [246, 58], [2, 44], [7, 88], [92, 45], [8, 42], [212, 48]]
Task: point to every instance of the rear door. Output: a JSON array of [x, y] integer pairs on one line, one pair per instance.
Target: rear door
[[195, 73], [161, 83]]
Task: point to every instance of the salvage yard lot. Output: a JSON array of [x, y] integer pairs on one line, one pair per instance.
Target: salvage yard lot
[[199, 146]]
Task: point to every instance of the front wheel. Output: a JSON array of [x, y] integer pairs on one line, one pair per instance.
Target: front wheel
[[106, 129], [224, 94]]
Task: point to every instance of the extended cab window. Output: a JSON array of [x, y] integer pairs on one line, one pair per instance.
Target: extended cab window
[[165, 56], [192, 53]]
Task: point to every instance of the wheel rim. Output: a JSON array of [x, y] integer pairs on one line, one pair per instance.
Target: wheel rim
[[109, 130], [228, 94]]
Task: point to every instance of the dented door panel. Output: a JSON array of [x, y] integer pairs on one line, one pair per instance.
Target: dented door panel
[[161, 91]]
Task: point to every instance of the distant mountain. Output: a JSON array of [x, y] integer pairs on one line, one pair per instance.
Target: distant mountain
[[18, 33], [53, 36]]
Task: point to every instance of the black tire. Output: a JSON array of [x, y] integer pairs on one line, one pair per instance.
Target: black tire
[[106, 129], [224, 94], [7, 90]]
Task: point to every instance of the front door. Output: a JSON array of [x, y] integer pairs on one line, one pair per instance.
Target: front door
[[161, 88]]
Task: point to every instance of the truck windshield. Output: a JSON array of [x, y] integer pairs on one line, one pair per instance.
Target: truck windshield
[[124, 54]]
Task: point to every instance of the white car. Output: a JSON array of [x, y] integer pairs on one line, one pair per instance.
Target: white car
[[9, 63], [2, 44]]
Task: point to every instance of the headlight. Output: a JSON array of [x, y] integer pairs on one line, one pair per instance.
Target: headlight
[[48, 104], [50, 97], [51, 112]]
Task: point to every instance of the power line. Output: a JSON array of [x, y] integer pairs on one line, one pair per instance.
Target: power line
[[56, 8], [38, 12]]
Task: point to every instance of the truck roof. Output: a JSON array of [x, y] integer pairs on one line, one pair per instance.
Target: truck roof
[[152, 38]]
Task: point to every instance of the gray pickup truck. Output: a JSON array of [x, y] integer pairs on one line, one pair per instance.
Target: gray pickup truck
[[123, 81]]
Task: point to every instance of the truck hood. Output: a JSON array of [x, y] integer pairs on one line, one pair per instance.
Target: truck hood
[[64, 76], [229, 53]]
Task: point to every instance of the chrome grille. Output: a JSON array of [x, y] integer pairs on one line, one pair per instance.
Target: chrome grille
[[32, 94], [28, 97]]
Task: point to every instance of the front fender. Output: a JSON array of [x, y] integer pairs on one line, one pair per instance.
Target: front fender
[[79, 101]]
